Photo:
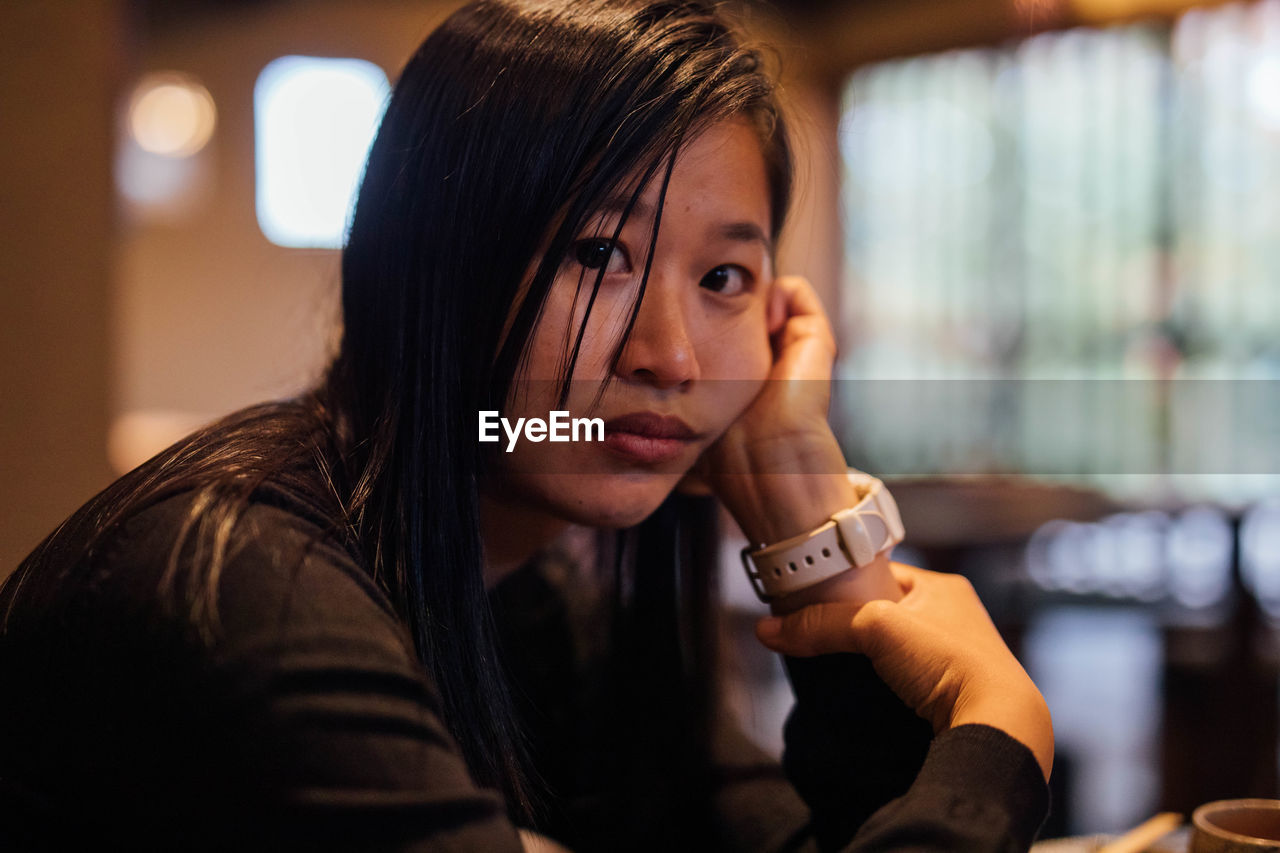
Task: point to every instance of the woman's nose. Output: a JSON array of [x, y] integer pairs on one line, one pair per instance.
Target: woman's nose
[[659, 350]]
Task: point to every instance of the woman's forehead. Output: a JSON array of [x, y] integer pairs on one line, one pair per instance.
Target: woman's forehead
[[719, 174]]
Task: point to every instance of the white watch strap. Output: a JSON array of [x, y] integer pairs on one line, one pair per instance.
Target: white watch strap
[[850, 538]]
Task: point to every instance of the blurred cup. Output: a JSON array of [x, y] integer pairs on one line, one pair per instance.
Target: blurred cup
[[1236, 826]]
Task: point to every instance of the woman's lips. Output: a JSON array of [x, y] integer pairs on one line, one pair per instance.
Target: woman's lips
[[643, 448], [648, 437]]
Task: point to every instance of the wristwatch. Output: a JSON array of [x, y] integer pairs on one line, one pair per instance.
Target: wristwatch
[[849, 539]]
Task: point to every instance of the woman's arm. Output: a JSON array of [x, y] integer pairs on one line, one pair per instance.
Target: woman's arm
[[852, 778], [871, 772], [307, 724], [861, 771], [922, 637], [780, 471], [936, 648]]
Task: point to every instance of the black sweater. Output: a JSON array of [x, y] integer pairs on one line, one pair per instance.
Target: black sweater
[[309, 723]]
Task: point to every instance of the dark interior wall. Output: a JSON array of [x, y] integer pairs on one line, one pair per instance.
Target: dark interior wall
[[60, 65]]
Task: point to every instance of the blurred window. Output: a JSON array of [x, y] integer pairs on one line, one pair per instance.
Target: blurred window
[[314, 119], [1062, 258]]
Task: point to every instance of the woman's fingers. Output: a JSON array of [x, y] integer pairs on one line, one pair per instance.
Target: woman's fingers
[[905, 575], [800, 297], [776, 311], [911, 577], [805, 343], [936, 648], [848, 625], [838, 626]]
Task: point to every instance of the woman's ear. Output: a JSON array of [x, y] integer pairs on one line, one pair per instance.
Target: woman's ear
[[776, 308]]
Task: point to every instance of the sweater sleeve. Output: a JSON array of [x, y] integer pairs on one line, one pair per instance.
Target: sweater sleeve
[[875, 778], [308, 723], [755, 807], [979, 789]]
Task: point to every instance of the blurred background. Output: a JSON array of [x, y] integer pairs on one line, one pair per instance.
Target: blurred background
[[1048, 232]]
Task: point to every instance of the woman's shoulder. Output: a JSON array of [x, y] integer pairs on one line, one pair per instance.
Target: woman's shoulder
[[278, 698], [198, 572]]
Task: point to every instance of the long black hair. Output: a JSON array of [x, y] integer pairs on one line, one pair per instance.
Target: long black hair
[[507, 129]]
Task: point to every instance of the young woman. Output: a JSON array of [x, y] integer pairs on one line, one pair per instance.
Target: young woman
[[344, 621]]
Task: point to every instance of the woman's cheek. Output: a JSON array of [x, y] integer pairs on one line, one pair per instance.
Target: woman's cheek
[[757, 357], [750, 365], [741, 344]]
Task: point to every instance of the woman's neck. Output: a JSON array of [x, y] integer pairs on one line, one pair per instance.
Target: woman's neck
[[512, 533]]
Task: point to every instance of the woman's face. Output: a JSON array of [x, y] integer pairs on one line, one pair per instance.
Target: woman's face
[[696, 357]]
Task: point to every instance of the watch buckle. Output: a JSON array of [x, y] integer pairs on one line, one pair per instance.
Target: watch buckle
[[753, 575]]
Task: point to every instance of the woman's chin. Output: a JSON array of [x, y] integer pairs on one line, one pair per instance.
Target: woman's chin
[[621, 519], [614, 502]]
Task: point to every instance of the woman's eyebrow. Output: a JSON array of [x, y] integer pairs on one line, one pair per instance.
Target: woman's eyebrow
[[744, 232], [737, 232], [618, 205]]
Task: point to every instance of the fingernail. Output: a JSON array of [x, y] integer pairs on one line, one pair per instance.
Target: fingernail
[[769, 628]]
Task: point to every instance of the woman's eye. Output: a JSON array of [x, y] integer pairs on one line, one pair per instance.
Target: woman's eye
[[727, 279], [601, 254]]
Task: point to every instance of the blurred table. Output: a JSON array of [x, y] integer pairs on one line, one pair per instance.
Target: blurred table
[[951, 513]]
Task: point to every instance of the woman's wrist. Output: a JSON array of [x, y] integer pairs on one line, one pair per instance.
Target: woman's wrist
[[788, 485], [1019, 710], [791, 504]]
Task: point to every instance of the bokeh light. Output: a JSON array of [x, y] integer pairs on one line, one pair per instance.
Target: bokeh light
[[171, 115]]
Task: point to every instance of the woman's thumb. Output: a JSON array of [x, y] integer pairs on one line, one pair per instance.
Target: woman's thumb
[[823, 628]]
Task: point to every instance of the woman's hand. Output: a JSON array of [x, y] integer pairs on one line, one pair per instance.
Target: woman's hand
[[936, 648], [535, 842], [779, 469]]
